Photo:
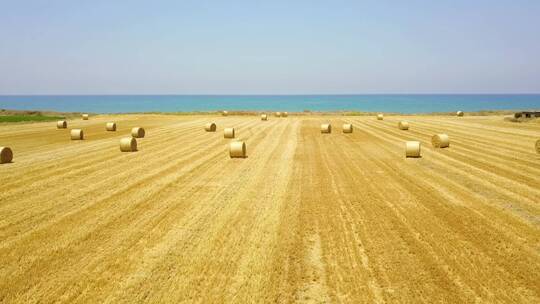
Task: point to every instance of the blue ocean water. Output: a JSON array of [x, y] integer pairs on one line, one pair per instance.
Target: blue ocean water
[[293, 103]]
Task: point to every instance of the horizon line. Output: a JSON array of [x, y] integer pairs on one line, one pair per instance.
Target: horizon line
[[264, 94]]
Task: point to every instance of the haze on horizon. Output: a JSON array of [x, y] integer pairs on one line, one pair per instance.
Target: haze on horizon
[[278, 47]]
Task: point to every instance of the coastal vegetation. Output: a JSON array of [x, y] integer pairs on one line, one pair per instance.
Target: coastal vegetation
[[28, 116]]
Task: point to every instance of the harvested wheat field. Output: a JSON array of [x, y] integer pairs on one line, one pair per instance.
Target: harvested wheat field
[[305, 218]]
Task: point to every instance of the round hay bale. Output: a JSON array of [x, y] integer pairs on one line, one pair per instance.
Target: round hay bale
[[61, 124], [6, 155], [347, 128], [440, 141], [111, 126], [460, 113], [77, 134], [403, 125], [277, 114], [412, 149], [228, 133], [210, 127], [138, 132], [128, 144], [380, 116], [538, 146], [237, 149], [264, 117], [284, 114], [85, 116], [225, 113], [326, 128]]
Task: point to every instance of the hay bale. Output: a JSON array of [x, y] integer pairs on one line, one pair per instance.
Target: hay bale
[[326, 128], [380, 116], [237, 149], [77, 134], [128, 144], [228, 133], [85, 116], [138, 132], [284, 114], [225, 113], [403, 125], [347, 128], [277, 114], [264, 117], [6, 155], [412, 149], [210, 127], [460, 113], [61, 124], [111, 126], [538, 146], [440, 141]]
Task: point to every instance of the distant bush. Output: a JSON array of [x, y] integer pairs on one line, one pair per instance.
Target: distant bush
[[21, 118]]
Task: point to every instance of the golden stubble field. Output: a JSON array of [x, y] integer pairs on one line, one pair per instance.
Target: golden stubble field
[[306, 218]]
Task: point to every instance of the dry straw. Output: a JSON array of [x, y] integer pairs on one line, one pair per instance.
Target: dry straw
[[111, 126], [326, 128], [277, 114], [403, 125], [6, 155], [128, 144], [347, 128], [440, 141], [85, 116], [61, 124], [228, 133], [225, 113], [138, 132], [412, 149], [264, 117], [210, 127], [460, 113], [538, 146], [77, 134], [380, 117], [237, 149], [284, 114]]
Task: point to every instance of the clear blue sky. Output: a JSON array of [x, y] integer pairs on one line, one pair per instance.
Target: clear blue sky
[[279, 47]]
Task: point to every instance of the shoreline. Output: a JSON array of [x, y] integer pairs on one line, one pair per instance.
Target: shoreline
[[35, 116], [487, 112]]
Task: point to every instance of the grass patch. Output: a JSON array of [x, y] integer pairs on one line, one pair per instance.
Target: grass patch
[[21, 118]]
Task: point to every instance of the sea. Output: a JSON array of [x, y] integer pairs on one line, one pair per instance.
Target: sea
[[397, 103]]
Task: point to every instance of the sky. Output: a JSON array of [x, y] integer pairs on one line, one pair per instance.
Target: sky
[[270, 47]]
